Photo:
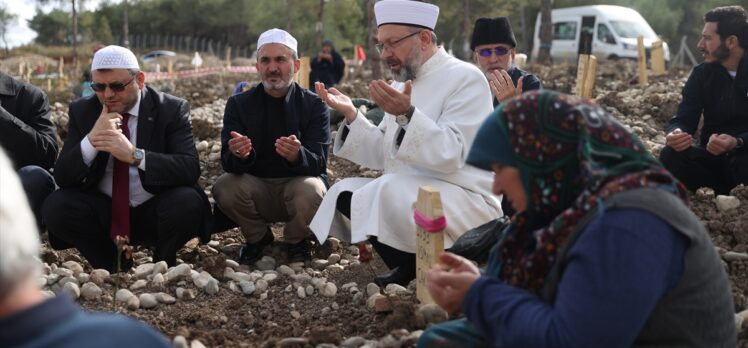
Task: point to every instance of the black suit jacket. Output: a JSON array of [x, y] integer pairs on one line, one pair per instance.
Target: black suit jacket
[[164, 132], [26, 131]]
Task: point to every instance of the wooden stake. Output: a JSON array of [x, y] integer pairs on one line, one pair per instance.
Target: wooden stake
[[428, 244], [228, 57], [658, 59], [303, 74], [585, 75], [643, 80]]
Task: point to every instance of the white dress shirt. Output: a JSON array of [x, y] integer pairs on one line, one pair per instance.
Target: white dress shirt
[[138, 195]]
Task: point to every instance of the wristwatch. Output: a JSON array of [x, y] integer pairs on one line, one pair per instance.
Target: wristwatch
[[404, 119], [739, 143], [139, 155]]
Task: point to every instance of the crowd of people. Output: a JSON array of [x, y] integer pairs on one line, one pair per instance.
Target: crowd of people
[[601, 248]]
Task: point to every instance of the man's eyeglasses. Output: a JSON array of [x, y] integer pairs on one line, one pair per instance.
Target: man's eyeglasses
[[381, 46], [486, 52], [115, 87]]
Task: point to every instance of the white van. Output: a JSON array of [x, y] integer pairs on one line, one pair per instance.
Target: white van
[[611, 31]]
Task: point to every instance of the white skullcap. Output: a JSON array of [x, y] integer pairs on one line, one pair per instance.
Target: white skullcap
[[114, 57], [276, 35], [406, 12]]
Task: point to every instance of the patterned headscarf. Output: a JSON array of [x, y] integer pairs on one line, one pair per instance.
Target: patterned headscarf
[[571, 155]]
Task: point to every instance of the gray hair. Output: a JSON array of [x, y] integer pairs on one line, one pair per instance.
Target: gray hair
[[19, 237]]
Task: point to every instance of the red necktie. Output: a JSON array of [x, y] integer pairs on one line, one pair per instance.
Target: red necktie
[[121, 192]]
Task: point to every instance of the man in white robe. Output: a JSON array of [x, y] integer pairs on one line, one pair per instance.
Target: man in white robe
[[432, 114]]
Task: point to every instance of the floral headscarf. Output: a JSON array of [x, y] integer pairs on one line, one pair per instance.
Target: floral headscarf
[[571, 155]]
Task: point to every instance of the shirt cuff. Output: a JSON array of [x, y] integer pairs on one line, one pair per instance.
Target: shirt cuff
[[141, 166], [88, 151]]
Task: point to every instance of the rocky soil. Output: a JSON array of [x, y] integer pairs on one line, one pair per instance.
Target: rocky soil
[[210, 300]]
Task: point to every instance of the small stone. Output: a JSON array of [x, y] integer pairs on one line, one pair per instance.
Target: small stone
[[231, 263], [333, 259], [73, 266], [212, 287], [158, 280], [148, 301], [66, 280], [99, 276], [372, 289], [335, 306], [160, 267], [165, 298], [295, 314], [302, 278], [180, 271], [144, 270], [239, 276], [72, 289], [263, 296], [185, 294], [133, 303], [301, 292], [353, 249], [139, 284], [270, 277], [353, 342], [309, 290], [202, 279], [266, 263], [197, 344], [180, 342], [734, 256], [334, 268], [353, 290], [248, 288], [63, 272], [379, 303], [83, 278], [396, 289], [201, 146], [261, 285], [52, 278], [430, 314], [326, 311], [346, 286], [358, 297], [329, 290], [334, 243], [283, 269], [319, 264], [297, 266], [725, 203], [214, 244], [293, 342]]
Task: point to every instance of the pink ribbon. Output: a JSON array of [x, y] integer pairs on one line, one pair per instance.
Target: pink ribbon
[[428, 224]]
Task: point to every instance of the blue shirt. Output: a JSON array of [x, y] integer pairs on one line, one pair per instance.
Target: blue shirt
[[623, 263]]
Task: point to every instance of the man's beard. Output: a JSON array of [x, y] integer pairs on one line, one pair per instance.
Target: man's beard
[[283, 84], [408, 68], [720, 54], [510, 65]]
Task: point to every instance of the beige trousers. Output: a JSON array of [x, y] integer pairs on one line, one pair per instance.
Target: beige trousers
[[254, 202]]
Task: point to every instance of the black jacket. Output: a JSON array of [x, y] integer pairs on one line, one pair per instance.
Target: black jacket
[[164, 132], [327, 72], [306, 116], [26, 131], [529, 83], [723, 100]]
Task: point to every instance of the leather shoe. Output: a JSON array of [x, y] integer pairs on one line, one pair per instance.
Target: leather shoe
[[397, 275], [299, 252], [251, 252]]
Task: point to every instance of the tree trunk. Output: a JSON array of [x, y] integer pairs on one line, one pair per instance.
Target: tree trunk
[[466, 30], [546, 32], [125, 25], [375, 60], [75, 39]]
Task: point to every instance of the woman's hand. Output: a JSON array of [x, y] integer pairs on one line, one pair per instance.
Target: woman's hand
[[449, 281]]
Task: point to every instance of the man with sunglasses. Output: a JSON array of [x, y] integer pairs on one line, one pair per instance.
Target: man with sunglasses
[[128, 170], [493, 46], [433, 111]]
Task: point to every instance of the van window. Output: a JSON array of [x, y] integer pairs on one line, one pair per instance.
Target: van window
[[565, 31], [604, 34], [632, 30]]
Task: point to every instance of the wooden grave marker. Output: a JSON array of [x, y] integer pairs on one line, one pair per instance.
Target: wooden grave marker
[[643, 79], [586, 75], [428, 244], [657, 59], [303, 74]]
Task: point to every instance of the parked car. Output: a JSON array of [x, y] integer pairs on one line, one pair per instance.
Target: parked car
[[608, 32], [156, 54]]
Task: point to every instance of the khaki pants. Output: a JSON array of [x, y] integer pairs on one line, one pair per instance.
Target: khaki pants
[[254, 202]]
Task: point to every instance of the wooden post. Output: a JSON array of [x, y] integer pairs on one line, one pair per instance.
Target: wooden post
[[170, 68], [60, 67], [585, 75], [303, 74], [428, 244], [228, 57], [643, 80], [658, 59]]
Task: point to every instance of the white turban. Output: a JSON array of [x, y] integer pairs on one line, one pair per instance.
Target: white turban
[[276, 35], [114, 57], [406, 12]]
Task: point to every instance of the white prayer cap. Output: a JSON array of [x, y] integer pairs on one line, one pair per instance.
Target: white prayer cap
[[114, 57], [406, 12], [276, 35]]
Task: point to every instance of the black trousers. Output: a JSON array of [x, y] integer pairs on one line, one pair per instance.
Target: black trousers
[[82, 218], [696, 168], [392, 257], [38, 183]]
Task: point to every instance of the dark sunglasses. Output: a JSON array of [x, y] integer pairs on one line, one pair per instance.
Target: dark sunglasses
[[115, 87], [486, 52]]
